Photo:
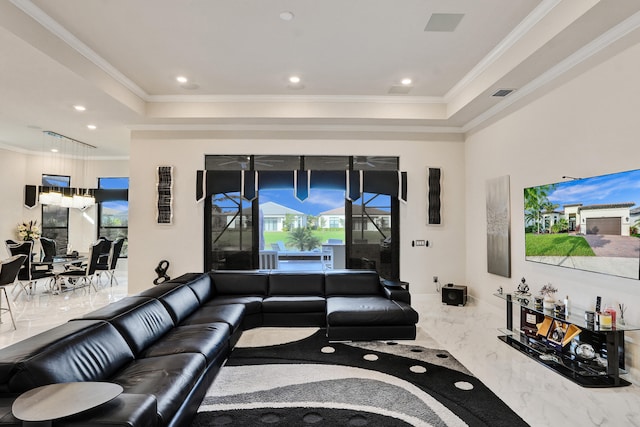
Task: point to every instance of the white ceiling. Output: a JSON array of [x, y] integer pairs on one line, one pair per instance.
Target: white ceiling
[[120, 59]]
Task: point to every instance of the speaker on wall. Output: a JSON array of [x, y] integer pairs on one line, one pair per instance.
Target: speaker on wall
[[433, 196], [454, 295]]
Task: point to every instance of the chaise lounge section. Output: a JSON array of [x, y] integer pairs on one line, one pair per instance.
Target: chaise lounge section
[[165, 345]]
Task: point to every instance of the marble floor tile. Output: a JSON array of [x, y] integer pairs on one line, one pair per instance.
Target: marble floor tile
[[44, 310], [541, 397]]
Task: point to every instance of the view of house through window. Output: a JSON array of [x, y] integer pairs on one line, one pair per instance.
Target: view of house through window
[[113, 215], [302, 235]]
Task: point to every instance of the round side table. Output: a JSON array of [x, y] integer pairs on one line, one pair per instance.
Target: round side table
[[41, 405]]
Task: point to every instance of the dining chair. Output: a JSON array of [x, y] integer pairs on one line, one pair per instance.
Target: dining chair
[[9, 269], [49, 249], [30, 272], [110, 267], [105, 250], [83, 275]]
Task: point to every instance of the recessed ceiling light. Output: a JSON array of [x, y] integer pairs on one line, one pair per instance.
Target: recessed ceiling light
[[79, 107], [286, 15], [54, 150], [406, 81], [92, 127], [182, 79], [294, 79]]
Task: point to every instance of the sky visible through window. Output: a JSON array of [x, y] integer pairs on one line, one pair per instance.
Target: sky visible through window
[[319, 200], [614, 188], [115, 184]]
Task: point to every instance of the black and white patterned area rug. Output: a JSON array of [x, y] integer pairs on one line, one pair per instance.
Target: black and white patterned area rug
[[312, 382]]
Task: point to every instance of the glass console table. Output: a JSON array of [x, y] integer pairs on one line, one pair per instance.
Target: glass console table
[[600, 366]]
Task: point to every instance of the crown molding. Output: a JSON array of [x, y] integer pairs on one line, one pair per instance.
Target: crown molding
[[328, 99], [63, 34], [297, 128], [496, 53], [595, 46], [13, 148]]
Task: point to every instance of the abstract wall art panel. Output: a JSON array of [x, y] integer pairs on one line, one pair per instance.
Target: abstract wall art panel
[[164, 202], [498, 227]]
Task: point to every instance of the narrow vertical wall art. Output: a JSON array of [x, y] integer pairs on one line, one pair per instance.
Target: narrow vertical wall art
[[499, 226], [434, 176], [164, 202]]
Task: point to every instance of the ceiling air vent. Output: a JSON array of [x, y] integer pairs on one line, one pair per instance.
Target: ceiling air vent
[[503, 92], [400, 90], [444, 22]]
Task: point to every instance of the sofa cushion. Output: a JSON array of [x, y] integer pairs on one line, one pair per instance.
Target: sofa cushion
[[141, 324], [294, 304], [92, 354], [235, 282], [180, 301], [185, 278], [369, 311], [32, 346], [201, 286], [352, 282], [252, 304], [296, 283], [230, 314], [161, 289], [116, 308], [210, 339], [126, 410], [169, 378]]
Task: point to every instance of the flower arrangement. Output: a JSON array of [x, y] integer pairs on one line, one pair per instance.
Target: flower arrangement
[[548, 290], [29, 231]]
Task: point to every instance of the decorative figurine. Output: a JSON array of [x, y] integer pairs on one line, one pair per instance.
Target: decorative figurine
[[523, 288], [548, 291]]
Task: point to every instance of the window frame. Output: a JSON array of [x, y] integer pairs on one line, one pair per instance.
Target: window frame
[[45, 230], [99, 226]]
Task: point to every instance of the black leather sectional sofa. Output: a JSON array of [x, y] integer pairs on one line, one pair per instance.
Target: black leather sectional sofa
[[165, 345]]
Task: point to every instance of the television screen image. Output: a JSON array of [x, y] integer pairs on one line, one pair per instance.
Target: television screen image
[[588, 224]]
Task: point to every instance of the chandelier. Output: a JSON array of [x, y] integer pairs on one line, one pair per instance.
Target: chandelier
[[69, 156]]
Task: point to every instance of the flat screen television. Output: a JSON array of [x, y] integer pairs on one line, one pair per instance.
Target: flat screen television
[[589, 224]]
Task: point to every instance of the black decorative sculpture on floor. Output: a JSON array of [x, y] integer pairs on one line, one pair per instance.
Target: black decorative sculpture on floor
[[161, 271]]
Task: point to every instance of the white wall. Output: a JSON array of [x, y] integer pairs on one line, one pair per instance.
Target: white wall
[[589, 126], [12, 170], [182, 242]]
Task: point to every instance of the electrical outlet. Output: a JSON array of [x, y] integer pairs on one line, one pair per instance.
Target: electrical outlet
[[435, 279]]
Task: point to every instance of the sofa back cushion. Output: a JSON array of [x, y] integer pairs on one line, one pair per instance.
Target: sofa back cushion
[[352, 282], [141, 322], [179, 300], [93, 353], [11, 355], [236, 282], [296, 283], [201, 286]]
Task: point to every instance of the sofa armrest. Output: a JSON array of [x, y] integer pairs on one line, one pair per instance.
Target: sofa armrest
[[395, 290]]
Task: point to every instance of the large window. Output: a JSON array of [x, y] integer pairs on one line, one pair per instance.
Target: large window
[[55, 219], [113, 215], [295, 215]]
